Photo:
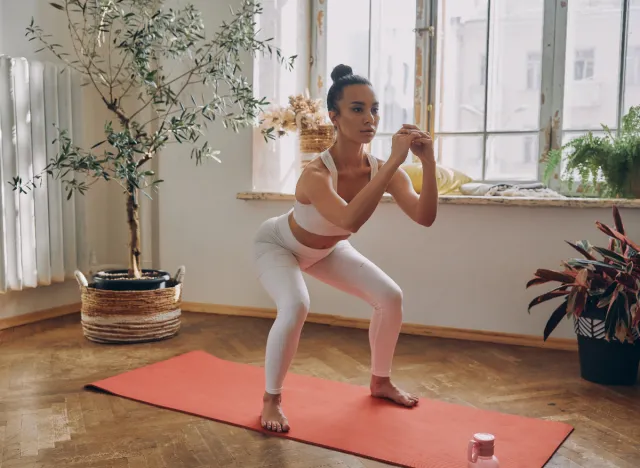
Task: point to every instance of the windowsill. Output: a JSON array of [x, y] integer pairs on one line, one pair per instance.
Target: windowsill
[[480, 200]]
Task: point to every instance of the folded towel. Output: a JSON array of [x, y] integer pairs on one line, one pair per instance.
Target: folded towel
[[532, 190]]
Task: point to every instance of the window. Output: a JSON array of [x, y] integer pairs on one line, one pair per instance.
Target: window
[[482, 129], [497, 82], [583, 65], [534, 62], [377, 39], [482, 65], [529, 149], [633, 67]]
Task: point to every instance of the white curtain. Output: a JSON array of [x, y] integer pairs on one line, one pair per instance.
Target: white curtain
[[42, 234]]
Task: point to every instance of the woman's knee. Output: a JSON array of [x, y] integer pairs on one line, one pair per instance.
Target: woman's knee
[[390, 297], [294, 310]]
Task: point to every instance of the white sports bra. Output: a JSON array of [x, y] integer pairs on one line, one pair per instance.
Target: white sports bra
[[308, 217]]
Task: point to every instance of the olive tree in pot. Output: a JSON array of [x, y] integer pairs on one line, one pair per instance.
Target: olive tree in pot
[[601, 291], [120, 47]]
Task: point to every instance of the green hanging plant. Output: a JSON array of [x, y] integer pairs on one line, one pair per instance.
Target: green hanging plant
[[608, 166]]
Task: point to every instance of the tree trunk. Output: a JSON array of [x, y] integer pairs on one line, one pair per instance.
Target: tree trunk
[[133, 219]]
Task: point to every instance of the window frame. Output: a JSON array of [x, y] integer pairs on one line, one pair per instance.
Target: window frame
[[553, 64]]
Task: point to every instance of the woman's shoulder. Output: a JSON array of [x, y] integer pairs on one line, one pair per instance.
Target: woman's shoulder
[[314, 170], [379, 162], [315, 167]]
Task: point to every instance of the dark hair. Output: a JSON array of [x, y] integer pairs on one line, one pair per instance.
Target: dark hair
[[342, 76]]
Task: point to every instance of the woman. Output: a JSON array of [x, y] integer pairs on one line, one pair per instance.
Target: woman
[[335, 195]]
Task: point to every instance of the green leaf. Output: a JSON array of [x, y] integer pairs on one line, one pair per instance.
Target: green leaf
[[536, 282], [552, 275], [546, 297], [580, 247], [57, 6], [613, 314], [577, 301], [595, 265], [611, 255], [621, 237], [555, 319], [617, 220]]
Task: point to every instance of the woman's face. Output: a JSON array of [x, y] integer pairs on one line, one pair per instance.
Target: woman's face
[[358, 117]]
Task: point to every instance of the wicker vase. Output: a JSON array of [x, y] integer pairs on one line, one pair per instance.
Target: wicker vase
[[314, 141], [131, 316]]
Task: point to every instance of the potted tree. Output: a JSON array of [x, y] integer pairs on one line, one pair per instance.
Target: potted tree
[[119, 48], [606, 165], [601, 292]]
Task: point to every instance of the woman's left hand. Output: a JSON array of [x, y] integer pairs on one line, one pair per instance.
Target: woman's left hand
[[422, 147]]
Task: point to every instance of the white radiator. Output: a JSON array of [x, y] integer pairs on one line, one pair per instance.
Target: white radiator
[[42, 234]]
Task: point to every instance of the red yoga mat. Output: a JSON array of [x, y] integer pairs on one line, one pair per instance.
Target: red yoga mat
[[337, 415]]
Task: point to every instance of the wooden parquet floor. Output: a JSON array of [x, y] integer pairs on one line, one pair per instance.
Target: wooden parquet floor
[[47, 420]]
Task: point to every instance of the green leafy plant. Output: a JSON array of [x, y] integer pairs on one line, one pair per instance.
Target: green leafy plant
[[119, 47], [610, 283], [606, 165]]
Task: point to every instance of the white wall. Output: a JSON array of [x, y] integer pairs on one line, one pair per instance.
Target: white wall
[[106, 216], [468, 271]]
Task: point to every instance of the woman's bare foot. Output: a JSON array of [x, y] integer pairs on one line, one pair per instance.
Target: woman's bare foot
[[272, 417], [381, 387]]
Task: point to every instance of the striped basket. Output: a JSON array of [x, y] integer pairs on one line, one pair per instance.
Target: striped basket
[[316, 140], [131, 316], [595, 328]]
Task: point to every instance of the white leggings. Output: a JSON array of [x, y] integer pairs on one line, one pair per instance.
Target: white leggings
[[280, 260]]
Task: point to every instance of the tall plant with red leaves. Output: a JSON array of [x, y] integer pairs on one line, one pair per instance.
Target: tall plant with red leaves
[[611, 283]]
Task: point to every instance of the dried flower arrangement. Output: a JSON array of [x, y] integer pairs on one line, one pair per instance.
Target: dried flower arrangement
[[301, 113], [305, 116]]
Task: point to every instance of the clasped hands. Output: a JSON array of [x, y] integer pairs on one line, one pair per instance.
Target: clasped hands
[[410, 137]]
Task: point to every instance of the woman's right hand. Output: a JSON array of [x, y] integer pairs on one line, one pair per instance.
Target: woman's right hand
[[401, 143]]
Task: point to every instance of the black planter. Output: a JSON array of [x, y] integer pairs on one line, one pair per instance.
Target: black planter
[[608, 362], [601, 361], [117, 280]]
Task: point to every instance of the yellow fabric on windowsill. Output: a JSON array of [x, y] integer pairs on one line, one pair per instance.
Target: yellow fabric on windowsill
[[449, 180]]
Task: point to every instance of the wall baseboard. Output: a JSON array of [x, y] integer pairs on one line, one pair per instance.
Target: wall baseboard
[[564, 344], [39, 315]]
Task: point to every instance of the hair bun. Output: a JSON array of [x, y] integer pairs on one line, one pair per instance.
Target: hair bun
[[341, 71]]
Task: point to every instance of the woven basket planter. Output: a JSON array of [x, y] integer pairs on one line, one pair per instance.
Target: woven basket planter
[[131, 316]]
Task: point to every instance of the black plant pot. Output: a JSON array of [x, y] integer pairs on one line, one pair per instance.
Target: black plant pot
[[118, 280], [601, 361], [608, 362]]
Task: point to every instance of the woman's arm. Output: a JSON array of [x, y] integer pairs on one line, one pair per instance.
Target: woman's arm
[[352, 215], [422, 209]]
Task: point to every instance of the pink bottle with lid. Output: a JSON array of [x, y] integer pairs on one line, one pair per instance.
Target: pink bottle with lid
[[480, 453]]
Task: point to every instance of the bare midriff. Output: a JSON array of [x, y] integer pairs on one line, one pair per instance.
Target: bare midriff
[[312, 240]]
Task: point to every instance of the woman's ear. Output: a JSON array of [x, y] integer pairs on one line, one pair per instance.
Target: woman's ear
[[333, 115]]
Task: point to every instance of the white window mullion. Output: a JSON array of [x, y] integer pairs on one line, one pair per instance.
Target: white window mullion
[[624, 36], [425, 71], [488, 56], [375, 21], [552, 86], [317, 87], [375, 41]]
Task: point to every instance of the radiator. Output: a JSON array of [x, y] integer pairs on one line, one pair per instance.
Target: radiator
[[42, 234]]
